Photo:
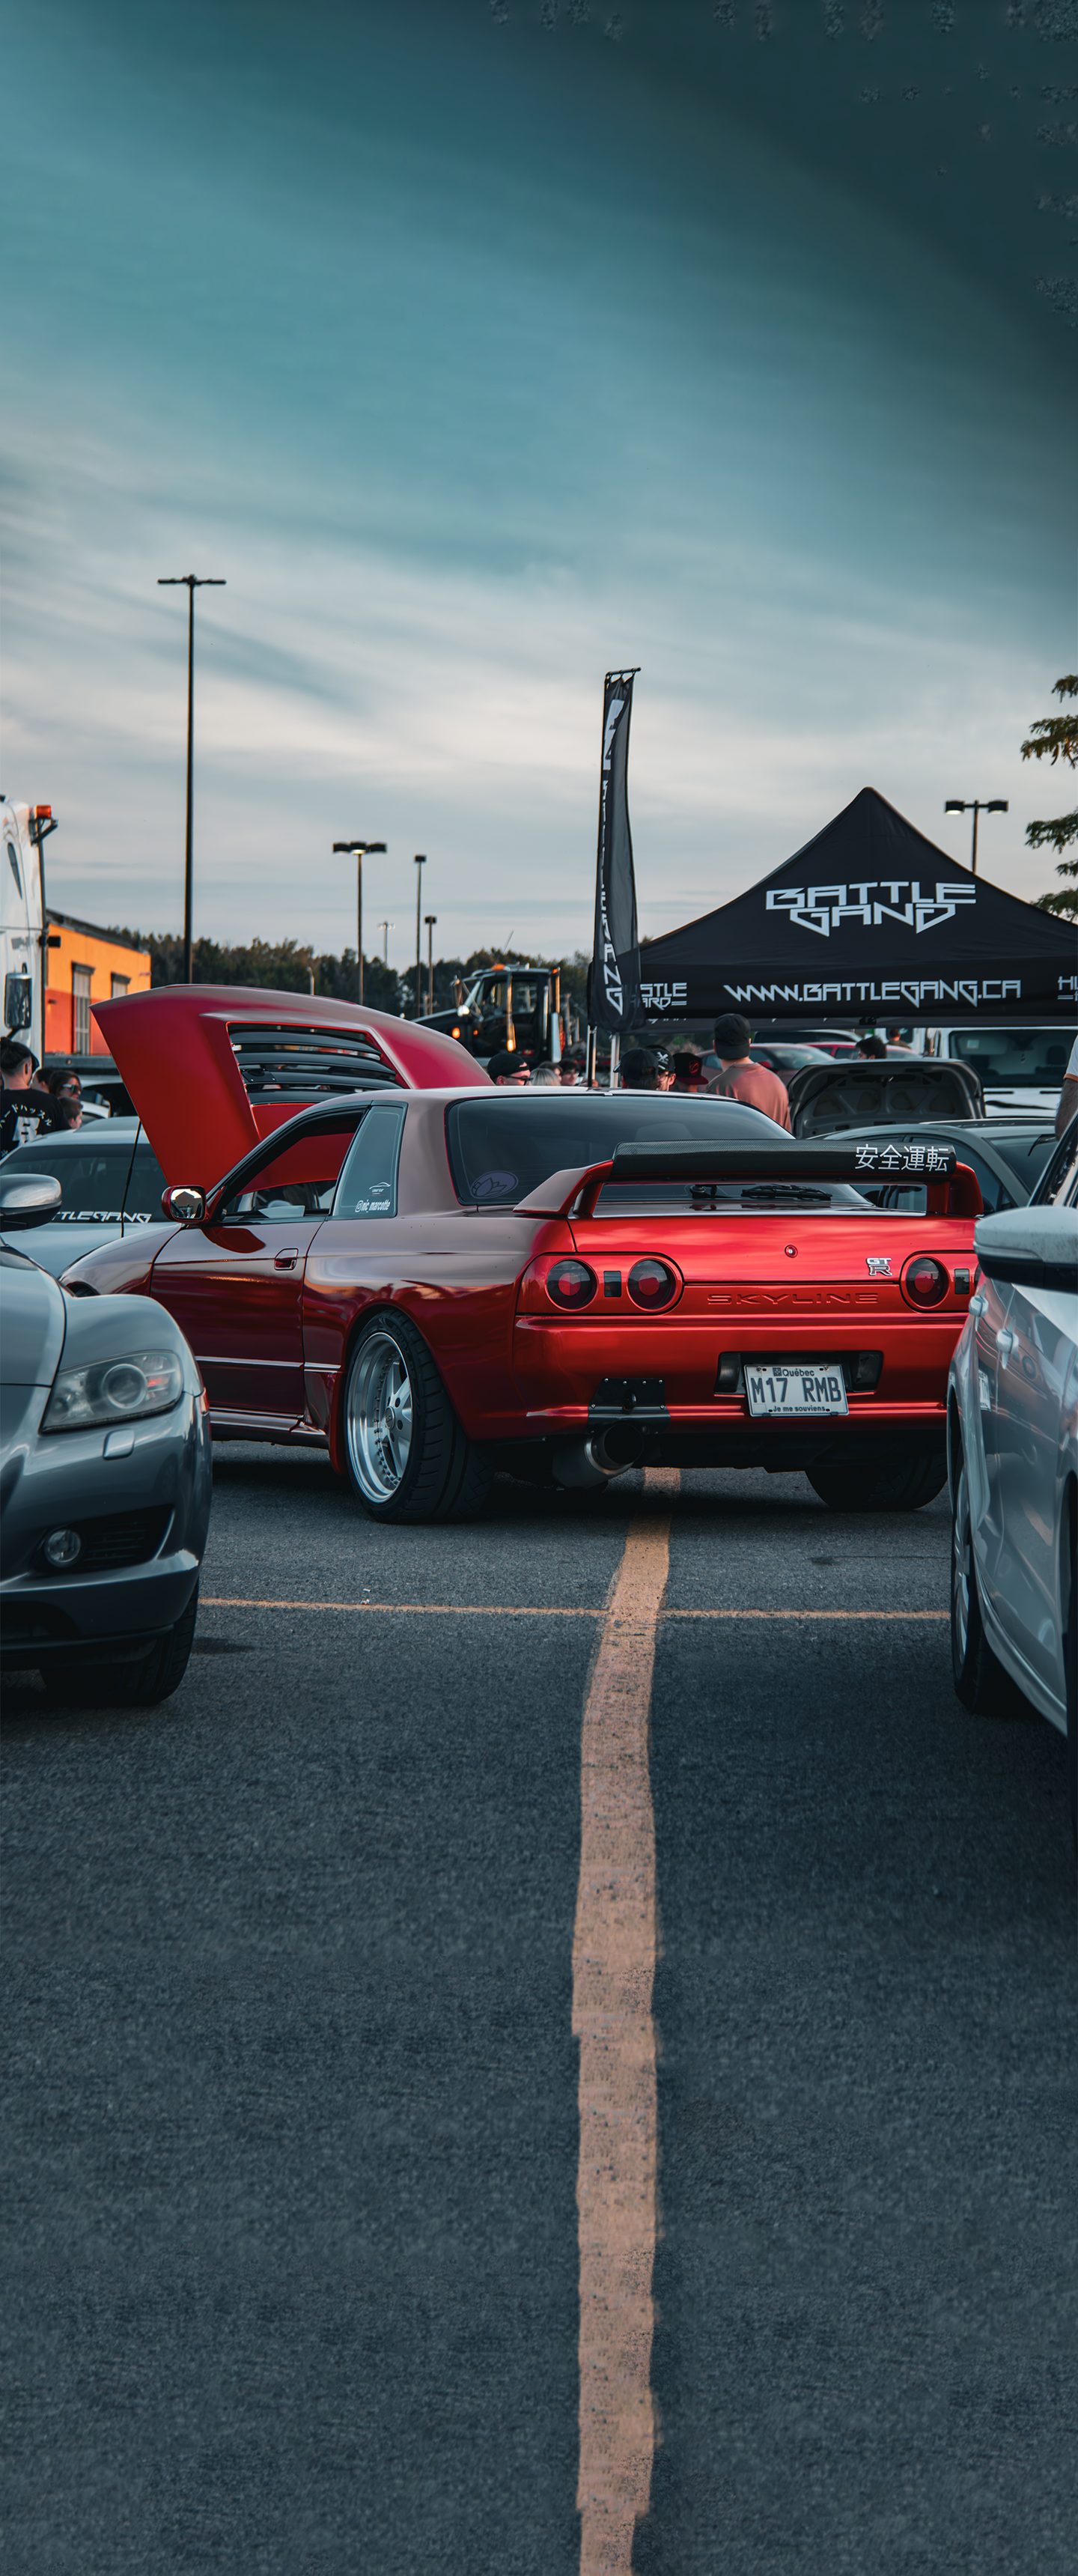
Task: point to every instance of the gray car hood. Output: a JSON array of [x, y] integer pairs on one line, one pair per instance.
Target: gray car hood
[[56, 1247], [1047, 1234], [33, 1317]]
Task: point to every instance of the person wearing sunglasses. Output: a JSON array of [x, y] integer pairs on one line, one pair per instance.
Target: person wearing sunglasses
[[65, 1087]]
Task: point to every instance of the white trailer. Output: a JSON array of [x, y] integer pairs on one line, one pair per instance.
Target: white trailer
[[23, 829]]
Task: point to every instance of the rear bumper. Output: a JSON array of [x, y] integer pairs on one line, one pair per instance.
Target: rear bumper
[[725, 1435], [791, 1449]]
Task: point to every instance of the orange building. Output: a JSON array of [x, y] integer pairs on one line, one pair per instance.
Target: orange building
[[87, 965]]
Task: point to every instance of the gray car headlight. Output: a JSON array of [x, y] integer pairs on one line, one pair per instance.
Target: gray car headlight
[[118, 1390]]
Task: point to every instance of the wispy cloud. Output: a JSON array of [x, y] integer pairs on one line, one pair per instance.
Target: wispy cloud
[[461, 431]]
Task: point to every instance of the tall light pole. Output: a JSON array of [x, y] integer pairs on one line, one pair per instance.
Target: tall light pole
[[385, 927], [421, 862], [361, 848], [430, 918], [975, 805], [190, 582]]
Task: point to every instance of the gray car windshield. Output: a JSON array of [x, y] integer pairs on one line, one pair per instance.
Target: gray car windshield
[[502, 1146], [98, 1183]]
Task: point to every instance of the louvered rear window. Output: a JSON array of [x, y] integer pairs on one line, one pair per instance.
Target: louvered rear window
[[293, 1063]]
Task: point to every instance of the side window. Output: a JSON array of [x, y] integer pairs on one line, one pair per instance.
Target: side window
[[1059, 1178], [296, 1182], [368, 1183]]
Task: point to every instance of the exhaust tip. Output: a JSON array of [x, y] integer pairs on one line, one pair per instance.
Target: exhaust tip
[[597, 1459]]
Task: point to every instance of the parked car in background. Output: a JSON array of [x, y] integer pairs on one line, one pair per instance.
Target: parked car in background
[[783, 1058], [105, 1477], [431, 1284], [826, 1099], [1018, 1068], [110, 1180], [837, 1043], [1008, 1159], [1013, 1461]]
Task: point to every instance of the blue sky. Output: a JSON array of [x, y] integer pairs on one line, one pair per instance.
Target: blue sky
[[482, 349]]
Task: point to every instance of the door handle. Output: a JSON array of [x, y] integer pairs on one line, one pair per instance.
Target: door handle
[[1004, 1345], [287, 1259]]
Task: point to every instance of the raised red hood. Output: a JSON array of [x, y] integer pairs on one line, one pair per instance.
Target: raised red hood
[[189, 1051]]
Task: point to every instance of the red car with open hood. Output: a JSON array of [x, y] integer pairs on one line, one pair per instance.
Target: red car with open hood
[[435, 1283]]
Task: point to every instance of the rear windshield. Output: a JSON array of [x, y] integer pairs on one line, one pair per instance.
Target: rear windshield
[[99, 1184], [1015, 1059], [502, 1148]]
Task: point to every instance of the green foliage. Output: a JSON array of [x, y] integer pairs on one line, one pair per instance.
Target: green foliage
[[1058, 836], [287, 966], [1056, 738]]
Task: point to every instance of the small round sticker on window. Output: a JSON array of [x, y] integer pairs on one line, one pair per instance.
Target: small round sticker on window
[[494, 1185]]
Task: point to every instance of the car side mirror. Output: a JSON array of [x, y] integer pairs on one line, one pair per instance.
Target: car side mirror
[[31, 1199], [186, 1205]]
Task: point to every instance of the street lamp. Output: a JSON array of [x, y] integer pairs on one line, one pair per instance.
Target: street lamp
[[421, 862], [385, 927], [42, 822], [975, 805], [189, 581], [360, 848], [430, 918]]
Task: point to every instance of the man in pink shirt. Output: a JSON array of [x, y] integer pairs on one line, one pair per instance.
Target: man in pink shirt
[[740, 1078]]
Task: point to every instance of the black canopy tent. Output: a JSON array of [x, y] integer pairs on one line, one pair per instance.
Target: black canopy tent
[[869, 920]]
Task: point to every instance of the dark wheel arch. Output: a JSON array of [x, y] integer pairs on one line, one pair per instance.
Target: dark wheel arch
[[445, 1476]]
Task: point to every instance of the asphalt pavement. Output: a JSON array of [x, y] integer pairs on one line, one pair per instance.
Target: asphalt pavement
[[293, 2124]]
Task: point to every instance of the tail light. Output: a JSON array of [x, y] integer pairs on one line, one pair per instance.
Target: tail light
[[924, 1281], [652, 1284], [571, 1285]]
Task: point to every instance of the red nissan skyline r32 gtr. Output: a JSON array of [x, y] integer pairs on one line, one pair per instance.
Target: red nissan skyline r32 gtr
[[436, 1284]]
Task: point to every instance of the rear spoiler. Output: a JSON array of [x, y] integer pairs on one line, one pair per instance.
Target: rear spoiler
[[951, 1187], [783, 1162]]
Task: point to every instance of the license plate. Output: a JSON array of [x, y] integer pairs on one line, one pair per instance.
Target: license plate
[[795, 1391]]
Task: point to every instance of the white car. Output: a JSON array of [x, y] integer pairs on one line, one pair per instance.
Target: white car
[[1012, 1427], [1019, 1069]]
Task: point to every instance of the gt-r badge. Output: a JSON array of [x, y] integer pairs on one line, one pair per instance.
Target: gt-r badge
[[879, 1265]]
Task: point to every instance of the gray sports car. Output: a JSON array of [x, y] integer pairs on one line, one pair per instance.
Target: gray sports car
[[105, 1480]]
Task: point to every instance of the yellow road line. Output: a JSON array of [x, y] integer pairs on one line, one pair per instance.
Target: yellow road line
[[504, 1610], [613, 1971]]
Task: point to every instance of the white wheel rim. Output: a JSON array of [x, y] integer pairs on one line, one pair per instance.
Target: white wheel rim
[[379, 1424], [961, 1566]]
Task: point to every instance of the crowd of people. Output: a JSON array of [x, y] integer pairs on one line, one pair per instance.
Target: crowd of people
[[658, 1069]]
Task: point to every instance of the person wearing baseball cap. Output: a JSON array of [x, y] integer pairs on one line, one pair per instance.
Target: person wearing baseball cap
[[740, 1078]]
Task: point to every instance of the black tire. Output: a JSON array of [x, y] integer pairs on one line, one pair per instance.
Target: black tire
[[905, 1487], [137, 1685], [408, 1459], [979, 1678]]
